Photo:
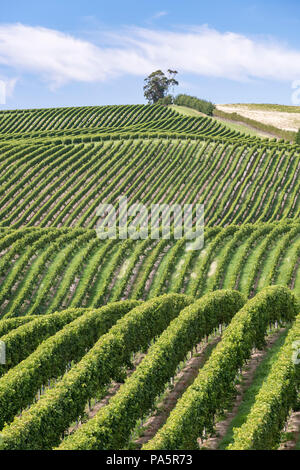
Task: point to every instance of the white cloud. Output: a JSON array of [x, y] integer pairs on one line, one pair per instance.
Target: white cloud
[[59, 58], [229, 55]]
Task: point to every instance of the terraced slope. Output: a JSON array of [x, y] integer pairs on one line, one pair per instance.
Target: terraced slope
[[63, 185], [45, 270], [70, 358], [105, 122]]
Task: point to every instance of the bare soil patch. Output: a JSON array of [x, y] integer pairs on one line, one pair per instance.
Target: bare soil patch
[[283, 120]]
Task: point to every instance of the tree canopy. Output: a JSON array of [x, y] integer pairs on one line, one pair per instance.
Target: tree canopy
[[157, 85], [206, 107]]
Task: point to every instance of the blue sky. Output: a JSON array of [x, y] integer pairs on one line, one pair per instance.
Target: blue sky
[[94, 52]]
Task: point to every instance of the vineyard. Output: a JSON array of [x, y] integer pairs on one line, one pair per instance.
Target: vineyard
[[144, 344]]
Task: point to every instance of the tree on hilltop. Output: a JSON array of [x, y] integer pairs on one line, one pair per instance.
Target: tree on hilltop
[[157, 85]]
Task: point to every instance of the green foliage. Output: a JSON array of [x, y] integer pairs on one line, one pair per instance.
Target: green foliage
[[6, 326], [157, 85], [23, 340], [203, 106], [214, 386], [250, 394], [275, 399], [166, 101], [41, 426], [56, 166], [20, 384], [111, 427]]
